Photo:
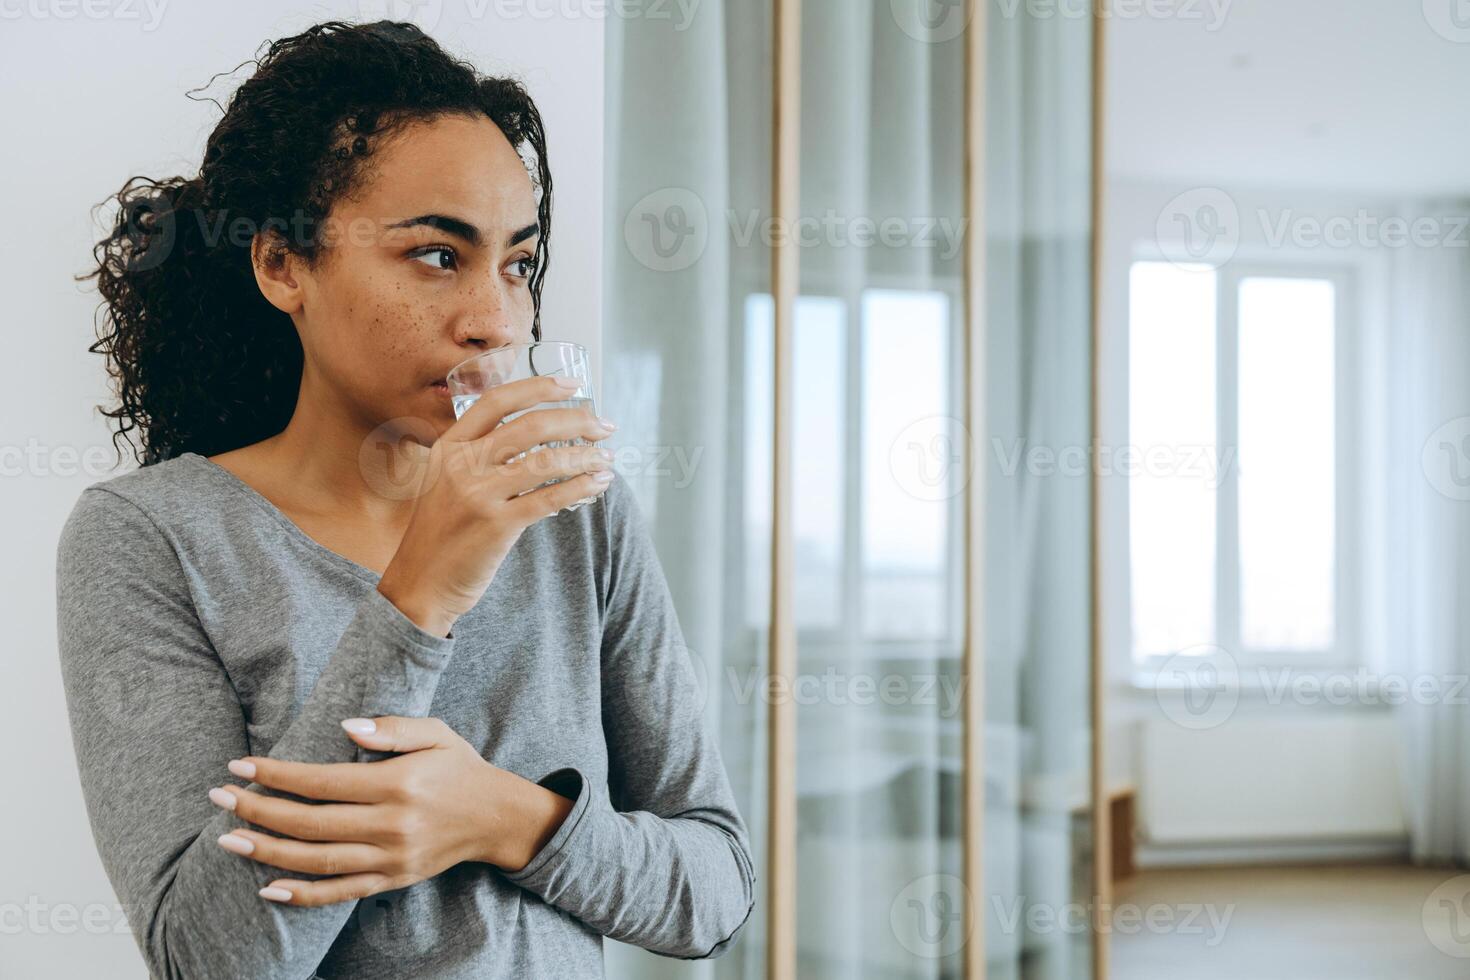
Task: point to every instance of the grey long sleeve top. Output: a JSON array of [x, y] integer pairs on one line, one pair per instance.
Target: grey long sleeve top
[[198, 624]]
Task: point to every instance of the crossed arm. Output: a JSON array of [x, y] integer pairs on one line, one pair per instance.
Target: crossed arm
[[668, 870]]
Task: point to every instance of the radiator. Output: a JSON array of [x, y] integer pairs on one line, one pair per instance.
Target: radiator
[[1255, 780]]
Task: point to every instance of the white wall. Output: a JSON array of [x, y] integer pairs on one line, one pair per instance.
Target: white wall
[[94, 94], [1137, 213]]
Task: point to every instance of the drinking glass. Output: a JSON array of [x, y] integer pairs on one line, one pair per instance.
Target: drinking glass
[[470, 379]]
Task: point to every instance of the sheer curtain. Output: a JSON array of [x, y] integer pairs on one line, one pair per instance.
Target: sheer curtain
[[876, 422], [686, 120], [1038, 841], [1423, 489]]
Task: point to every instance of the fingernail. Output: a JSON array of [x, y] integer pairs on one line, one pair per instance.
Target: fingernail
[[603, 454], [241, 768], [360, 726], [274, 894], [567, 381], [603, 476], [221, 797], [240, 845], [607, 424]]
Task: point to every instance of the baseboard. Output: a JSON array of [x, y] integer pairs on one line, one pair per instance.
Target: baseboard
[[1272, 852]]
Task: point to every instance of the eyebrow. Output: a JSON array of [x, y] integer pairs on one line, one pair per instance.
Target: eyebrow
[[520, 236], [463, 229]]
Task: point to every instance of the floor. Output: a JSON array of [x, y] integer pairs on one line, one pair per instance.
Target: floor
[[1371, 922]]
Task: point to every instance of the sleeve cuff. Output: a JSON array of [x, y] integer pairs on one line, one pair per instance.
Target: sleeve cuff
[[568, 782], [424, 647]]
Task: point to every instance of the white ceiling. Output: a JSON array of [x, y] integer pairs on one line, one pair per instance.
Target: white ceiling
[[1361, 95]]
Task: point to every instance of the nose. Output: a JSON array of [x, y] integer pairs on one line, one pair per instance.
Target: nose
[[484, 335], [484, 323]]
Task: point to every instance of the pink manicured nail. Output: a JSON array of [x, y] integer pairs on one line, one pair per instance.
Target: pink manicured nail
[[361, 726], [222, 798], [240, 845], [274, 894], [241, 768]]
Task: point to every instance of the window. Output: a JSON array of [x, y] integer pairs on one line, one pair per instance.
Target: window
[[874, 477], [819, 357], [1237, 497]]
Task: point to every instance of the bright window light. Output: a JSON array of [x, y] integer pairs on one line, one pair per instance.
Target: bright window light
[[1287, 464], [1171, 426]]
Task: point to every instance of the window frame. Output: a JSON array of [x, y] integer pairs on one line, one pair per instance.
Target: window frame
[[1345, 652], [821, 647]]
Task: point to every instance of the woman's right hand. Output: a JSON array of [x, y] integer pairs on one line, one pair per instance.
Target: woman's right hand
[[474, 505]]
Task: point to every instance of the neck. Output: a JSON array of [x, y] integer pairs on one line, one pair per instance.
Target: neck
[[333, 461]]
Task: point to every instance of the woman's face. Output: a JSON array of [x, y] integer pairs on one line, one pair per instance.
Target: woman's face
[[427, 264]]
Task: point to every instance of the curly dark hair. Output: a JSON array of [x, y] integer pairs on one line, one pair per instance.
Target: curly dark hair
[[200, 361]]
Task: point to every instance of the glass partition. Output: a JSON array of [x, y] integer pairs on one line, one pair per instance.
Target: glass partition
[[689, 122], [1038, 726]]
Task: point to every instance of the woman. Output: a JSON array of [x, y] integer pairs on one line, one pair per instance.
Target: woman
[[432, 691]]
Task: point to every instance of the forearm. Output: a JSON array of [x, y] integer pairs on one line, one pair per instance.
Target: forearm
[[196, 910], [521, 820], [680, 886]]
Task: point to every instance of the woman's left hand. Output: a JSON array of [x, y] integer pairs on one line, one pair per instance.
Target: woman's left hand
[[386, 825]]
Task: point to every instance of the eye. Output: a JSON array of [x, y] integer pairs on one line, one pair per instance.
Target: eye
[[524, 267], [439, 257]]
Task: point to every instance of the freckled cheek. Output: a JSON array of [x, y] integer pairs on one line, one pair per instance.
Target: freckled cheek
[[404, 331]]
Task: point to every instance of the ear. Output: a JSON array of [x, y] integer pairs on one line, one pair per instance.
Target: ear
[[277, 272]]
